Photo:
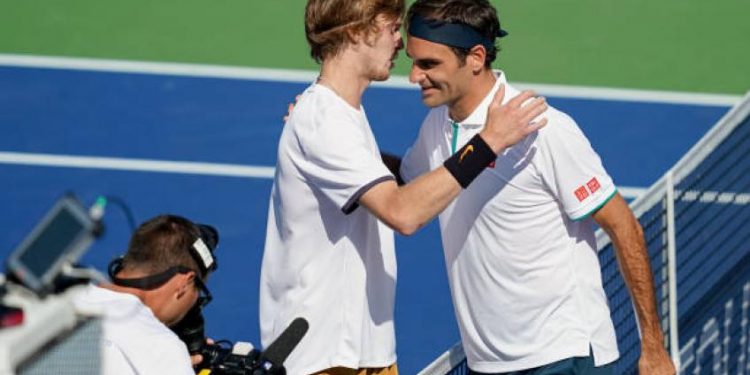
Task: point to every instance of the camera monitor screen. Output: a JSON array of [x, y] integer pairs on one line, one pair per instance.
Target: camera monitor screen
[[63, 235]]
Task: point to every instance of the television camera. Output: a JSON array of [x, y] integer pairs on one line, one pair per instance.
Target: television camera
[[242, 358]]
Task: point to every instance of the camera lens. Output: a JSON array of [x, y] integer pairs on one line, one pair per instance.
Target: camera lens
[[191, 331]]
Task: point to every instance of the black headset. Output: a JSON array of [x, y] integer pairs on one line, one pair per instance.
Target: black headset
[[201, 250]]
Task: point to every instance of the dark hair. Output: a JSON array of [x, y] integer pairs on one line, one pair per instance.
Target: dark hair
[[479, 14], [330, 24], [162, 242]]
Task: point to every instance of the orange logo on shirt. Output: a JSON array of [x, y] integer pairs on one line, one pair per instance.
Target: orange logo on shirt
[[581, 193], [469, 149], [593, 185]]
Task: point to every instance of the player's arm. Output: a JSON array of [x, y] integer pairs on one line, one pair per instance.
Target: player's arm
[[407, 208], [616, 218]]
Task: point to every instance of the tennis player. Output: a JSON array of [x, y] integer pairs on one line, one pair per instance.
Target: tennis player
[[329, 252], [519, 242]]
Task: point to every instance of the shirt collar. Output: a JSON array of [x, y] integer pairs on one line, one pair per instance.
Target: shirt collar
[[479, 116]]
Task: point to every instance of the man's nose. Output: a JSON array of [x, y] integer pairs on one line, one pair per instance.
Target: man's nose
[[415, 74]]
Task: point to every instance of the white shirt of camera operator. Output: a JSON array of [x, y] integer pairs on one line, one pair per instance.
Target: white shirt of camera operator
[[133, 341]]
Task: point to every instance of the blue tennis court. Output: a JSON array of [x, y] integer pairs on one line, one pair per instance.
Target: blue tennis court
[[237, 122]]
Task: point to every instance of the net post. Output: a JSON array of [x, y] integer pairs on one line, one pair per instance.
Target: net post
[[674, 342], [452, 362]]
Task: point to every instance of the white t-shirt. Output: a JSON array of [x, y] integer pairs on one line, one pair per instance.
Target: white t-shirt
[[519, 248], [134, 341], [325, 259]]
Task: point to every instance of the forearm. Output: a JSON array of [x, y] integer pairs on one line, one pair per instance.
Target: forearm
[[429, 195], [636, 270], [411, 206], [630, 247]]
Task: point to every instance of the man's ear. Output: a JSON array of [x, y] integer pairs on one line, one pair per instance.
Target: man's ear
[[184, 281], [476, 58], [353, 36]]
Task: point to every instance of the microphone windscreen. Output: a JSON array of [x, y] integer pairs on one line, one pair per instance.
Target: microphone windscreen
[[279, 350]]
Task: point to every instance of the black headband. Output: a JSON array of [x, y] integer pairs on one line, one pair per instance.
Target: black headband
[[201, 251], [155, 281], [145, 283], [451, 34]]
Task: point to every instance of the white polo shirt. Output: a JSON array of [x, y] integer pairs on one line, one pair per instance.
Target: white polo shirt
[[134, 341], [519, 248], [325, 259]]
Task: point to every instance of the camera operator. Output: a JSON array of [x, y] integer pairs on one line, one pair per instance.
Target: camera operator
[[154, 285]]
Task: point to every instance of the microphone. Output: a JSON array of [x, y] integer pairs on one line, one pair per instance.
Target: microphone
[[272, 359]]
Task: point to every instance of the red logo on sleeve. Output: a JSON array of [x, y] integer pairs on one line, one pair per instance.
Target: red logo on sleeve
[[581, 193], [492, 165], [593, 185]]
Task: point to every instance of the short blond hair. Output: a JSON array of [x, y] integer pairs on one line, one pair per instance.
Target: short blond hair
[[331, 24]]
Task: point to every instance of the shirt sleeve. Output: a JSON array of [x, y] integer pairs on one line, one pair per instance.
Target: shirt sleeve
[[340, 158], [571, 168], [114, 360], [417, 159]]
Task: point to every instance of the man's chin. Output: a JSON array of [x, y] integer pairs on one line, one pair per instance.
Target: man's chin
[[431, 101], [382, 77]]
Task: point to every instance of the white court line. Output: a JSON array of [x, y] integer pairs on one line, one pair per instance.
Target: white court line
[[181, 167], [303, 76], [136, 165]]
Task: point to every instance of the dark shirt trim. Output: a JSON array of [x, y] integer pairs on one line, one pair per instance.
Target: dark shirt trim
[[353, 202]]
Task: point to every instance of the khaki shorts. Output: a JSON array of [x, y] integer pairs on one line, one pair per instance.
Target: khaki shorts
[[390, 370]]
